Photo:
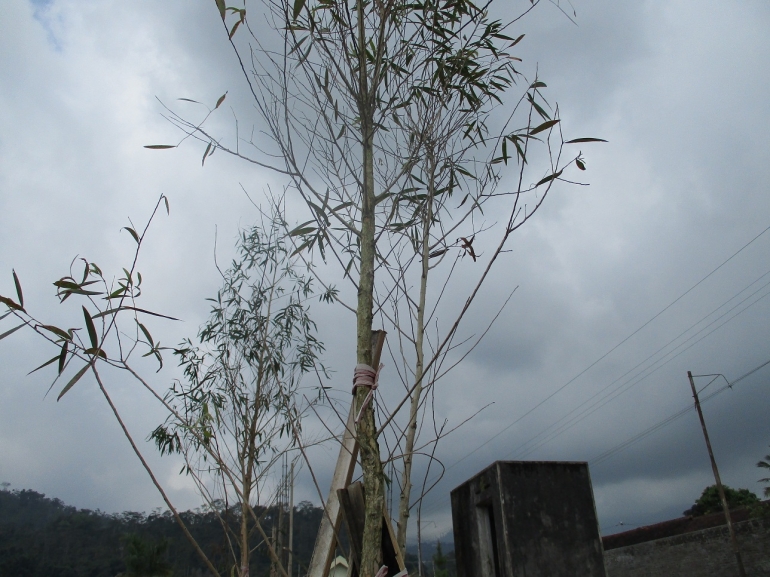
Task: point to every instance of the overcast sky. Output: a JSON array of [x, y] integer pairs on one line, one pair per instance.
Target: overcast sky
[[679, 89]]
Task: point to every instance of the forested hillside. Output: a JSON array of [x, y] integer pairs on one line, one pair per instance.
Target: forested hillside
[[43, 537], [46, 538]]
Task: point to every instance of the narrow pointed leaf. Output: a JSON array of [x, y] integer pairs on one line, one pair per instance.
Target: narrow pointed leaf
[[544, 126], [205, 154], [159, 146], [18, 288], [165, 199], [298, 6], [137, 309], [5, 315], [132, 232], [189, 100], [147, 334], [10, 332], [222, 8], [220, 101], [576, 140], [549, 178], [63, 356], [73, 380], [10, 304], [45, 364], [57, 331], [580, 164], [235, 27], [91, 328]]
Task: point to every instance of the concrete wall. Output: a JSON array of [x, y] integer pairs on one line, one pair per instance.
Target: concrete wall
[[704, 553], [527, 519]]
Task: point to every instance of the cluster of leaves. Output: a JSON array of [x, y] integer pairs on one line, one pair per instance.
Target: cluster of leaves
[[105, 300], [709, 502], [235, 411]]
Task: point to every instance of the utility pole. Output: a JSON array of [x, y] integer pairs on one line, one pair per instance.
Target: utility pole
[[720, 488]]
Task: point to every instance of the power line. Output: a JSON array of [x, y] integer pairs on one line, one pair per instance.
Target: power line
[[671, 418], [605, 355], [627, 385]]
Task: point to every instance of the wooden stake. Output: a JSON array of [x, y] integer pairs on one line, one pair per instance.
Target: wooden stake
[[325, 543]]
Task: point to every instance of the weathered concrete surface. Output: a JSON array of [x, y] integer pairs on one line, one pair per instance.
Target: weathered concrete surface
[[527, 519], [704, 553]]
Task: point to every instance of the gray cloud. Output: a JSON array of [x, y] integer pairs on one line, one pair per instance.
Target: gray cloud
[[680, 93]]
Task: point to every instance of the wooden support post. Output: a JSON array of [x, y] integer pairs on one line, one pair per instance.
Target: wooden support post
[[353, 505], [326, 540], [720, 488]]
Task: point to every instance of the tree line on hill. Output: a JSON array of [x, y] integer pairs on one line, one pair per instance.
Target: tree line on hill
[[44, 537]]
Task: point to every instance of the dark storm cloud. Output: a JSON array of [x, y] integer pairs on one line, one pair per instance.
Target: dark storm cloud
[[680, 92]]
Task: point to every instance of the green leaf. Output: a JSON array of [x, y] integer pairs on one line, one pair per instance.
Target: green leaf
[[189, 100], [576, 140], [91, 328], [580, 164], [544, 126], [222, 8], [18, 288], [205, 153], [302, 230], [45, 364], [63, 356], [298, 6], [132, 232], [10, 304], [221, 100], [549, 178], [74, 380], [147, 334], [57, 331], [137, 309], [13, 330], [538, 84], [165, 199], [159, 146], [235, 27]]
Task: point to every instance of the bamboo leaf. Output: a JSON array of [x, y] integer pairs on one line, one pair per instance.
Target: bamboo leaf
[[302, 230], [137, 309], [57, 331], [147, 334], [222, 8], [18, 289], [298, 6], [45, 364], [220, 101], [132, 232], [10, 332], [63, 356], [165, 199], [235, 27], [73, 380], [189, 100], [576, 140], [205, 153], [10, 304], [544, 126], [580, 164], [549, 178], [91, 328], [159, 146]]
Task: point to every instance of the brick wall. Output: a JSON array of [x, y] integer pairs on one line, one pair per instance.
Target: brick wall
[[703, 553]]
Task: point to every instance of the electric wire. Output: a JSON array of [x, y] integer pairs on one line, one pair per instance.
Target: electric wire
[[609, 352]]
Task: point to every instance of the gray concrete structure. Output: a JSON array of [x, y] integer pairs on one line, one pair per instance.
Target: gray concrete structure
[[527, 519]]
